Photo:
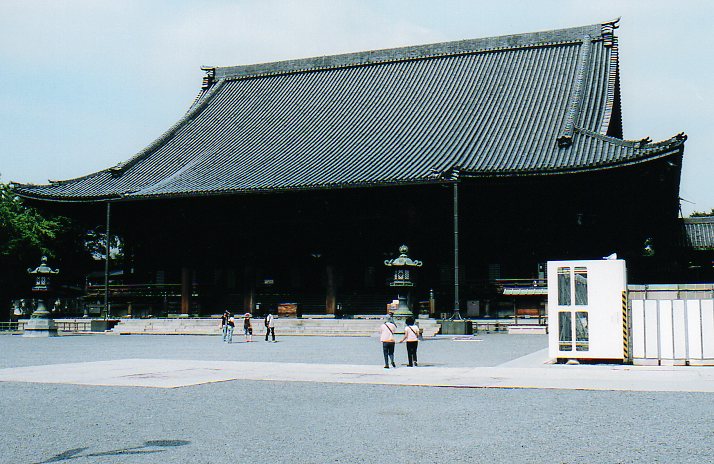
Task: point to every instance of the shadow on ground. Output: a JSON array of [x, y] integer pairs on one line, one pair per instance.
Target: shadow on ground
[[149, 447]]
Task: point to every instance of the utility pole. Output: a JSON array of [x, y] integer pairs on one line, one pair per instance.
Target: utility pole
[[106, 264], [457, 312]]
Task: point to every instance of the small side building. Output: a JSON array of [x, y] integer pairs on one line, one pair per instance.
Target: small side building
[[698, 245]]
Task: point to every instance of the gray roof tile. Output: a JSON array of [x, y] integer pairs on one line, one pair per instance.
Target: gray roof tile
[[699, 232], [489, 107]]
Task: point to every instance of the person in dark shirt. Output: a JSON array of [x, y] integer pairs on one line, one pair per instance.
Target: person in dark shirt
[[224, 323], [247, 328]]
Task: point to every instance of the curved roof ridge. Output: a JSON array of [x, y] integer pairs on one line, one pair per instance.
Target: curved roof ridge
[[173, 177], [194, 110], [577, 93], [64, 181], [199, 103], [645, 143], [416, 52], [608, 31]]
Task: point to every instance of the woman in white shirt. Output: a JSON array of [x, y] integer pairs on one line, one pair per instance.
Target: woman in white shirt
[[231, 325], [386, 336], [411, 335]]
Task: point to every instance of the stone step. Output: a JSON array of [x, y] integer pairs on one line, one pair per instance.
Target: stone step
[[317, 327]]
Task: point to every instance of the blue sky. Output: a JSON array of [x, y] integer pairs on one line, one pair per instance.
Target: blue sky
[[86, 84]]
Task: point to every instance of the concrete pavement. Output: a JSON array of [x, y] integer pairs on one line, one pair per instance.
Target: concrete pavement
[[327, 416], [173, 373]]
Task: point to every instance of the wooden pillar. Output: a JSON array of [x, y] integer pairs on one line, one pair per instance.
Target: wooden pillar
[[248, 289], [330, 293], [185, 290]]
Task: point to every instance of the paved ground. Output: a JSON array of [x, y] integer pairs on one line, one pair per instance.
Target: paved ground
[[176, 373], [489, 351], [270, 421]]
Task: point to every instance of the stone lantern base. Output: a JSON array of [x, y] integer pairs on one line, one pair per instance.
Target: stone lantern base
[[40, 327], [403, 310]]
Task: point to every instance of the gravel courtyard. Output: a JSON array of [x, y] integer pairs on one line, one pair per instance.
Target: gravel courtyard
[[275, 422]]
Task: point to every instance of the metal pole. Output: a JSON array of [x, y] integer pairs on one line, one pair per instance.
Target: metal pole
[[106, 265], [457, 313]]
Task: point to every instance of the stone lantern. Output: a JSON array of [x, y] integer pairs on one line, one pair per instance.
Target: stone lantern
[[41, 323], [403, 267]]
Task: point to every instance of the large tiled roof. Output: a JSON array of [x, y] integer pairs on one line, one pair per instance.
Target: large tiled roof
[[529, 104], [699, 233]]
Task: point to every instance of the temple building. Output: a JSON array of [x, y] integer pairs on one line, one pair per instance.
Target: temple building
[[294, 181], [698, 248]]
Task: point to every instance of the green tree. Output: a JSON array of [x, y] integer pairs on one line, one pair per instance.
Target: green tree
[[24, 232], [702, 213], [25, 235]]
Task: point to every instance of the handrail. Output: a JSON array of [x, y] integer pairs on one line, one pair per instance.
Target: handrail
[[522, 282], [11, 326]]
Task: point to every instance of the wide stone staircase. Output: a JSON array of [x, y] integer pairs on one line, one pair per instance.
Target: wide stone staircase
[[315, 327]]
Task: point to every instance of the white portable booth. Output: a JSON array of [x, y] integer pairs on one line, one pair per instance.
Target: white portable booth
[[587, 310]]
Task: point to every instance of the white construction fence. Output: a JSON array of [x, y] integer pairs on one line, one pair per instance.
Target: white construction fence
[[672, 324]]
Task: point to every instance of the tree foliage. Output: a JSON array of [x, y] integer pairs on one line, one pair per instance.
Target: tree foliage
[[24, 232], [25, 235], [702, 213], [95, 242]]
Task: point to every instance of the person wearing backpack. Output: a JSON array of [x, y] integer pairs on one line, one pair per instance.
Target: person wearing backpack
[[269, 326], [386, 336], [411, 335]]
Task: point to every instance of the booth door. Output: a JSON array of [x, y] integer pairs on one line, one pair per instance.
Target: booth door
[[573, 329]]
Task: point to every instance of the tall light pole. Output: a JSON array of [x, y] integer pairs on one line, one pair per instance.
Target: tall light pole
[[107, 247], [457, 309]]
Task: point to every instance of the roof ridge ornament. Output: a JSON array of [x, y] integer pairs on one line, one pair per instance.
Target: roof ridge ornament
[[608, 32], [642, 142], [209, 78], [613, 24]]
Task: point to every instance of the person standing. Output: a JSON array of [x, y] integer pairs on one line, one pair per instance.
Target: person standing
[[269, 326], [224, 323], [247, 328], [411, 335], [231, 324], [386, 336]]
